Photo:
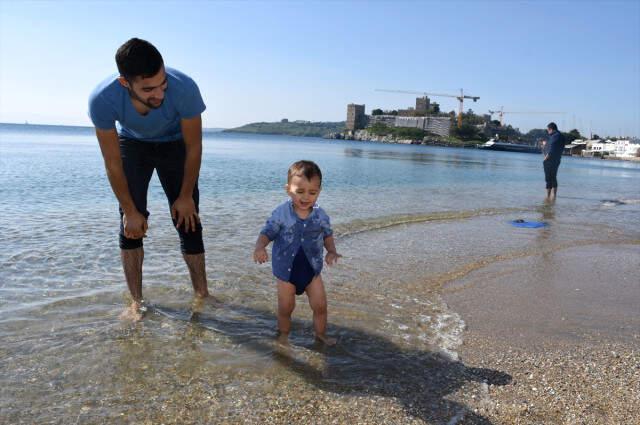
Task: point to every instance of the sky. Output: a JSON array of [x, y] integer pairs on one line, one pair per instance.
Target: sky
[[268, 60]]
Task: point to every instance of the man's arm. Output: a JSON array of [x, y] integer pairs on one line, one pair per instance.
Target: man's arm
[[184, 208], [543, 144], [135, 223]]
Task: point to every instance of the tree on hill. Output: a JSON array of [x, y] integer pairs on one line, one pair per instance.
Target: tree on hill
[[470, 117], [466, 131], [377, 111], [572, 135], [534, 135], [409, 133], [380, 129]]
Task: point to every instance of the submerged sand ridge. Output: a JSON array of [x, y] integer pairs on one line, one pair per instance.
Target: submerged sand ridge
[[590, 288]]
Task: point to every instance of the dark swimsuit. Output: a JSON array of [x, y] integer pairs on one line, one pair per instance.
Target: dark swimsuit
[[301, 272]]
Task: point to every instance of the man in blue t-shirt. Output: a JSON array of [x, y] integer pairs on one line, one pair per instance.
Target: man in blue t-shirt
[[147, 118], [552, 150]]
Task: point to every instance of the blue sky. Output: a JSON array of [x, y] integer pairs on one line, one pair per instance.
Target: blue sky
[[263, 61]]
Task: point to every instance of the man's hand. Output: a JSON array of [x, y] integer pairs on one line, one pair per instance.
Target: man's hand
[[332, 258], [135, 225], [260, 255], [184, 212]]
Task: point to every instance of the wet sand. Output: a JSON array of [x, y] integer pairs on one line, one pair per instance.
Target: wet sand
[[565, 325]]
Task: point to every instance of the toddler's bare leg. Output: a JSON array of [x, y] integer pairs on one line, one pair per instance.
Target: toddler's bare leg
[[318, 302], [286, 304]]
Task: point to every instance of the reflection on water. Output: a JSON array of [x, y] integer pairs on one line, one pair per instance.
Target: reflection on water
[[458, 160]]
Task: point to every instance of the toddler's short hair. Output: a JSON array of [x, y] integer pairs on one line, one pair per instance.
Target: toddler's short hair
[[307, 169]]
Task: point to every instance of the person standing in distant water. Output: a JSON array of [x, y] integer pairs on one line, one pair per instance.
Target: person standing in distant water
[[158, 111], [552, 151]]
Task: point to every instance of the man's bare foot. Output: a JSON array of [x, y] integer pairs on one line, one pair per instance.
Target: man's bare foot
[[134, 313], [326, 340], [198, 304], [203, 293]]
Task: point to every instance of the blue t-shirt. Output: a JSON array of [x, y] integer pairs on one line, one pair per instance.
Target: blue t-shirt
[[110, 102], [289, 233]]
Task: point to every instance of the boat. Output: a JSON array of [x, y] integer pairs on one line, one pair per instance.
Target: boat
[[493, 145]]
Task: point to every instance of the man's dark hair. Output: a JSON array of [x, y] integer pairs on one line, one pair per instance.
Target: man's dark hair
[[307, 169], [552, 126], [138, 58]]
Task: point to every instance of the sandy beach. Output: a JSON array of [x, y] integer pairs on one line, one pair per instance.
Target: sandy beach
[[569, 338]]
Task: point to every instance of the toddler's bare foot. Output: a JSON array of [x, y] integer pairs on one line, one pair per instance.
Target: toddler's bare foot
[[134, 312], [326, 340], [282, 338]]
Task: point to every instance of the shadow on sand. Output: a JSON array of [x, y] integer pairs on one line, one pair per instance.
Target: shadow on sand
[[362, 363]]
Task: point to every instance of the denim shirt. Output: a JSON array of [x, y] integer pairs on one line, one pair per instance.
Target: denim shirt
[[289, 232]]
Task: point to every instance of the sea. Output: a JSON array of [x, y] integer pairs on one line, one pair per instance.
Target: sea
[[408, 219]]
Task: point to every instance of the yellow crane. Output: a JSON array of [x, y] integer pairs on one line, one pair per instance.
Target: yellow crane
[[501, 113], [460, 98]]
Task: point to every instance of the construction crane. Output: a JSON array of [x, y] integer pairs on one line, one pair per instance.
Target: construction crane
[[501, 113], [460, 98]]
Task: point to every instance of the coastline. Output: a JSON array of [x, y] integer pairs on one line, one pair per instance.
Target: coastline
[[365, 136], [569, 340], [436, 142]]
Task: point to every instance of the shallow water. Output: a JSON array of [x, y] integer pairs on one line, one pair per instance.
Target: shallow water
[[408, 219]]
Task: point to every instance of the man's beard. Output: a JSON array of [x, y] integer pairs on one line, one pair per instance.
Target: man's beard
[[133, 95]]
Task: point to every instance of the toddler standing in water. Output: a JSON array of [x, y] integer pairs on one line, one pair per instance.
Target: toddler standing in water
[[300, 230]]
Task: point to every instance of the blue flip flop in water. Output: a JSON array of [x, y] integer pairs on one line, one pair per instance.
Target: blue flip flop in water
[[528, 224]]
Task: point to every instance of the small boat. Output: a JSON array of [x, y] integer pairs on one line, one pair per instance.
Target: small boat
[[494, 145]]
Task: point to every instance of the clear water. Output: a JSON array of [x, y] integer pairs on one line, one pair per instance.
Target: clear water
[[407, 219]]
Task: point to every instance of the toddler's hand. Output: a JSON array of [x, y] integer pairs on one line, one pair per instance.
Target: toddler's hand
[[332, 258], [260, 255]]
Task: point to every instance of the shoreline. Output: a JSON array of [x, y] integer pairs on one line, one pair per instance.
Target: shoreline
[[570, 362]]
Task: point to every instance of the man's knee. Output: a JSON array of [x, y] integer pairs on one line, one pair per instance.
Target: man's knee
[[126, 243], [191, 243]]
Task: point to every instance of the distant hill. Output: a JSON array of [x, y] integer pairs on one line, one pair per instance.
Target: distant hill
[[300, 128]]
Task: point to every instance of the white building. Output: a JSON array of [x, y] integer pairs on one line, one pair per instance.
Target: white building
[[431, 124], [435, 125], [599, 148], [626, 149]]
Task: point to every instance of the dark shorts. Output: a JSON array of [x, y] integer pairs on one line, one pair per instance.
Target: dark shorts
[[139, 159], [301, 272], [551, 172]]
